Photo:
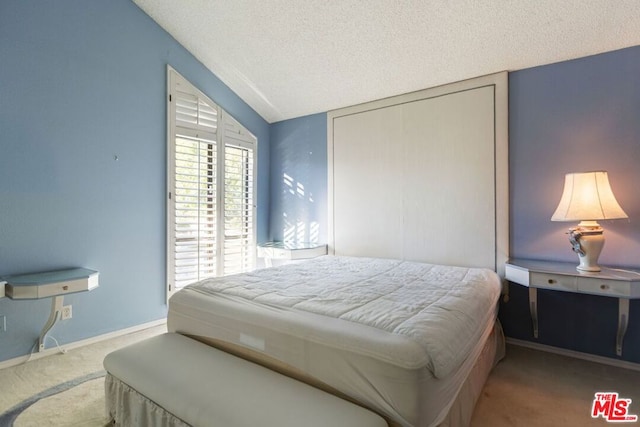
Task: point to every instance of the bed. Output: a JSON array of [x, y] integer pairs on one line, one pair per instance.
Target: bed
[[400, 317], [402, 338]]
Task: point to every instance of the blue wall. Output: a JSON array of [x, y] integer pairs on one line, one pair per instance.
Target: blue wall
[[80, 83], [574, 116], [299, 179]]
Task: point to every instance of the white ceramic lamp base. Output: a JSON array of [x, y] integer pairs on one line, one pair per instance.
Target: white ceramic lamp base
[[590, 237]]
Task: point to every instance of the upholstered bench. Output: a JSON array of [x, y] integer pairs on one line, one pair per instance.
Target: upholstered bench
[[173, 380]]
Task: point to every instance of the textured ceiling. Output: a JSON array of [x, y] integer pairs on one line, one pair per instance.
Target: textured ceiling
[[290, 58]]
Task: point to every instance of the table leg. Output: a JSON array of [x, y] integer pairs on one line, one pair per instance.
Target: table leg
[[56, 312], [623, 322], [533, 309]]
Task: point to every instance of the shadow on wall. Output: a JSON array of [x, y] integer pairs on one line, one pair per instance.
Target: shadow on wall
[[297, 225], [299, 179]]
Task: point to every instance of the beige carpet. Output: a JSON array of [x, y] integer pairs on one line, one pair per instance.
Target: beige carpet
[[528, 388], [538, 389], [82, 405]]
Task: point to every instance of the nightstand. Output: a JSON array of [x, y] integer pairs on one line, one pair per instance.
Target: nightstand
[[289, 251], [559, 276]]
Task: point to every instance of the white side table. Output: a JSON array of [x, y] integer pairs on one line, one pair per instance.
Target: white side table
[[559, 276], [55, 284], [289, 251]]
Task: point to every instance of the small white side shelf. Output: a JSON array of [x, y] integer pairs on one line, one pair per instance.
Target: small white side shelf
[[289, 251], [47, 284], [51, 283], [559, 276]]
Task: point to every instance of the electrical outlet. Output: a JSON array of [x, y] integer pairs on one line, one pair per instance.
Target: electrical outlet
[[3, 323], [67, 312]]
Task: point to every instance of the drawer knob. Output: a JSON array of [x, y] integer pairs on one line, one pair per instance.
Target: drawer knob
[[604, 287], [551, 281], [65, 288]]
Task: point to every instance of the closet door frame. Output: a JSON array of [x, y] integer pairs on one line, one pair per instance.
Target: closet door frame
[[499, 83]]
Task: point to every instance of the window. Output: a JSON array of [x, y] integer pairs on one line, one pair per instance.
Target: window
[[211, 196]]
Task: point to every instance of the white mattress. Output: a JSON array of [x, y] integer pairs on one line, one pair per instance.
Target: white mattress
[[401, 337]]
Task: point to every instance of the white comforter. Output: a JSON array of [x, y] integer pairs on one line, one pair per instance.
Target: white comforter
[[442, 310]]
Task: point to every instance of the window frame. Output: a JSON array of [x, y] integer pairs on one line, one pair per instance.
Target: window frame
[[249, 142]]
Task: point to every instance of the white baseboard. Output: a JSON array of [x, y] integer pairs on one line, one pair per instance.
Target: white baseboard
[[70, 346], [575, 354]]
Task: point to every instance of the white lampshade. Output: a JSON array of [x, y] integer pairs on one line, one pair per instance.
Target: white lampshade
[[587, 197]]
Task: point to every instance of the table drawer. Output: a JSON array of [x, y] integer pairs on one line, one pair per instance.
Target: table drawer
[[291, 253], [274, 253], [614, 288], [554, 281]]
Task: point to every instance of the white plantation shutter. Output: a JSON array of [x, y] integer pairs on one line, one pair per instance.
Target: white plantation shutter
[[211, 207], [239, 215], [194, 201]]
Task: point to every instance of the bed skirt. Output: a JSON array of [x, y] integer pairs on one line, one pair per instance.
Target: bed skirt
[[126, 407], [461, 410]]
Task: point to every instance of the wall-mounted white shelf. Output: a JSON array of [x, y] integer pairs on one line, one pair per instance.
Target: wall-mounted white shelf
[[621, 284], [290, 251], [47, 284], [51, 283]]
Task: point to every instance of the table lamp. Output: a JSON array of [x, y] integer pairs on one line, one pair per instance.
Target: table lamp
[[587, 197]]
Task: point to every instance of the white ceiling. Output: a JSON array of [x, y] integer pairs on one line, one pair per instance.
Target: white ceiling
[[290, 58]]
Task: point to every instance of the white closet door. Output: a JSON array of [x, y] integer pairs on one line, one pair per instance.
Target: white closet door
[[368, 204], [448, 179]]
